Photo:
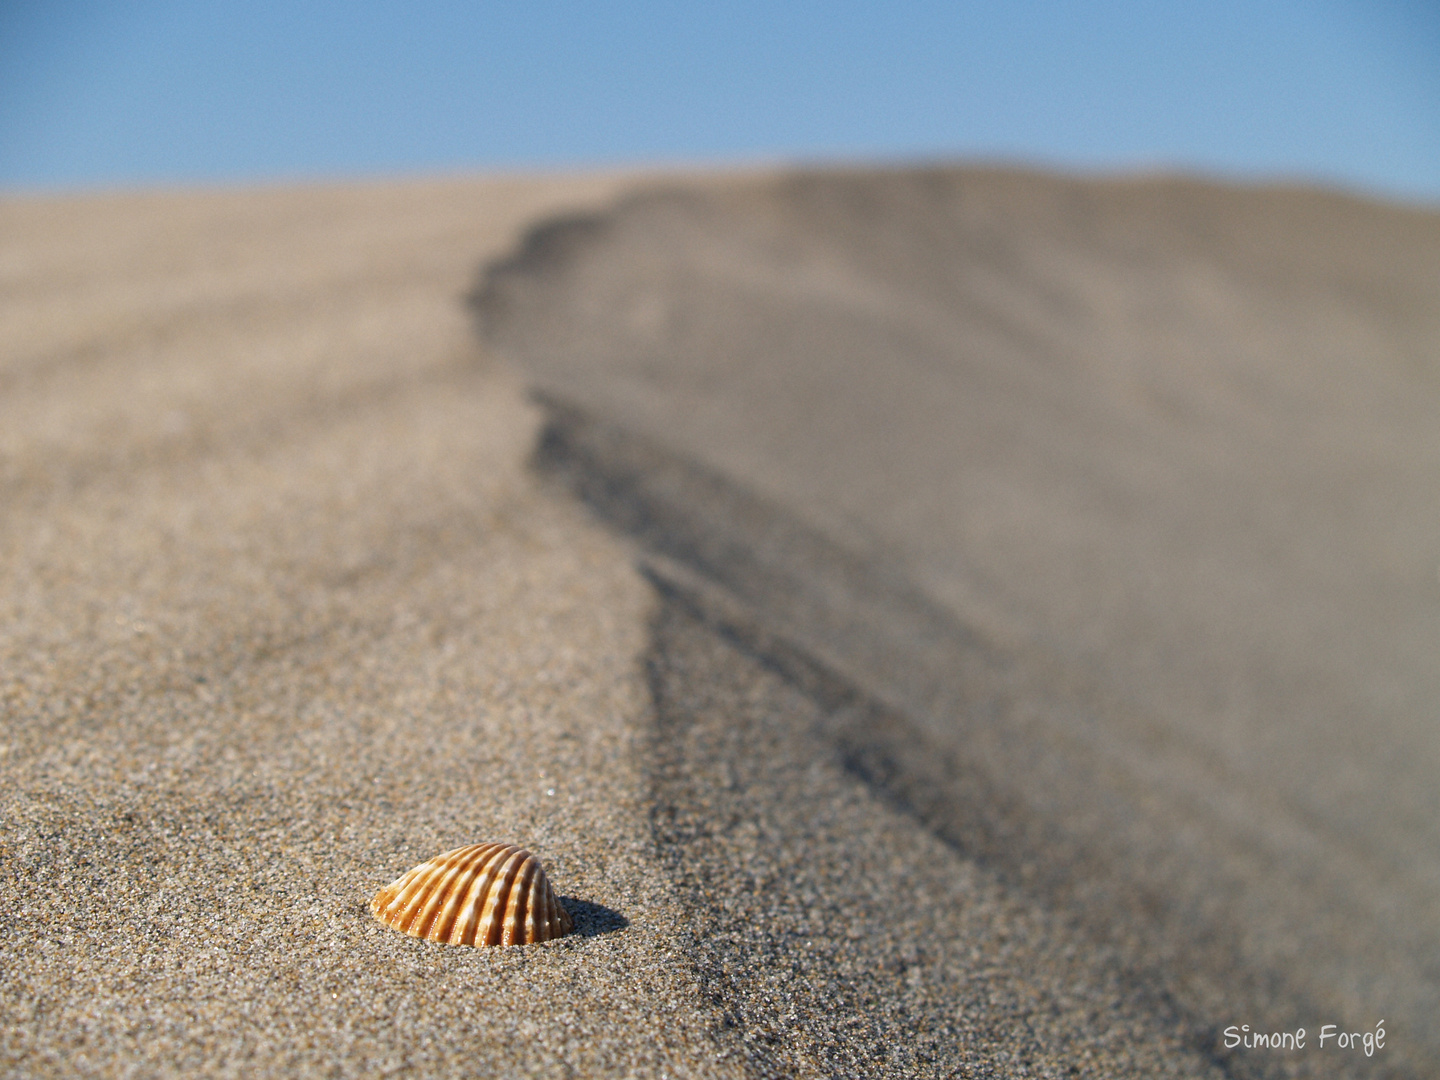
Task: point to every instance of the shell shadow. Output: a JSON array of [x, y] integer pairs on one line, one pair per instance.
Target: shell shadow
[[592, 920]]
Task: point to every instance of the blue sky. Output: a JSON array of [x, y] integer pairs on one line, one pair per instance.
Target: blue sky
[[104, 94]]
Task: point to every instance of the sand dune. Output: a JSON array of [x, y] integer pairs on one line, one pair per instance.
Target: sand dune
[[1117, 497], [930, 623]]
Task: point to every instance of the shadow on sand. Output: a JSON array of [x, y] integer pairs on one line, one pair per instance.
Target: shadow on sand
[[592, 920]]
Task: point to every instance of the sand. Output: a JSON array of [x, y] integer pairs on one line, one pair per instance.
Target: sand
[[296, 591], [284, 615], [1111, 501]]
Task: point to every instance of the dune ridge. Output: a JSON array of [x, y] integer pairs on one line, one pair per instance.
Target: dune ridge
[[1112, 489]]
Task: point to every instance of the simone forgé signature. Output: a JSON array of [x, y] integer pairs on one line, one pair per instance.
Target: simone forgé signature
[[1330, 1037]]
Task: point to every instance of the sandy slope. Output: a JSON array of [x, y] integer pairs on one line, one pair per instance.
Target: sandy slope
[[286, 606], [1115, 497]]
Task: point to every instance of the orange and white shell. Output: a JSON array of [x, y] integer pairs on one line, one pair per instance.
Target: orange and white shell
[[485, 894]]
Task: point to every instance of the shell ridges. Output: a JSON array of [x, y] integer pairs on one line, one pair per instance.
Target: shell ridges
[[483, 894]]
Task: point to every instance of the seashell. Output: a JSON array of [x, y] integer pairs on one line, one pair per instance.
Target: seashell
[[484, 894]]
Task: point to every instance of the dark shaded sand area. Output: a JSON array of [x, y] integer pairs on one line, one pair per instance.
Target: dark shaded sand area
[[945, 622], [1096, 524]]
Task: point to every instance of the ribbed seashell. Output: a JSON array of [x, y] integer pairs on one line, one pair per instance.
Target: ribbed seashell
[[485, 894]]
